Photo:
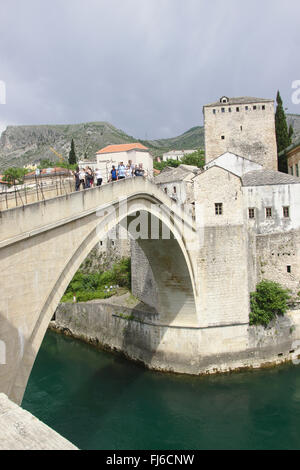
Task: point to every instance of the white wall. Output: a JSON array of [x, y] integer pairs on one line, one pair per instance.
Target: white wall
[[275, 196], [234, 163], [134, 155]]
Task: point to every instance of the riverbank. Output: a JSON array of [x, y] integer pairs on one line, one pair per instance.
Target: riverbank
[[125, 325]]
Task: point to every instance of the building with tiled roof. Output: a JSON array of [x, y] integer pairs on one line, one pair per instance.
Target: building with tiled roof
[[178, 182], [122, 148], [134, 152]]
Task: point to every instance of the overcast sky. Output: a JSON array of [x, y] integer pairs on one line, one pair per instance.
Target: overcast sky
[[146, 66]]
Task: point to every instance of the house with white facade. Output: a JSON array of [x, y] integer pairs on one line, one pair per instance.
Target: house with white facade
[[134, 152]]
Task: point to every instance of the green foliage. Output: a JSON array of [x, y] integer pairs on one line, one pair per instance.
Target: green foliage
[[283, 138], [92, 286], [162, 165], [269, 299], [195, 159], [14, 175], [72, 154]]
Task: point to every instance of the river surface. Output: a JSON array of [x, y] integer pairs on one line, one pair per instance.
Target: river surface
[[99, 400]]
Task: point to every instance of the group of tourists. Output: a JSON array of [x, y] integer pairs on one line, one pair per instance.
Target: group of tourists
[[126, 171], [87, 178]]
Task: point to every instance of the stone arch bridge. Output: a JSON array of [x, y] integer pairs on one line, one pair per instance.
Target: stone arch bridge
[[43, 244]]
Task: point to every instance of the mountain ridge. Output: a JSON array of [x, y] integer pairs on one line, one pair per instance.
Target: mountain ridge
[[21, 145]]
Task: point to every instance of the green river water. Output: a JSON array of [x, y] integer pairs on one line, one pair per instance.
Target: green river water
[[99, 400]]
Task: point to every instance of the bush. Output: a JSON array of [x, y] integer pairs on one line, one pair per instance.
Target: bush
[[196, 158], [268, 301], [92, 286]]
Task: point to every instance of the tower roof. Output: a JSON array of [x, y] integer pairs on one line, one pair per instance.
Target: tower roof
[[239, 100]]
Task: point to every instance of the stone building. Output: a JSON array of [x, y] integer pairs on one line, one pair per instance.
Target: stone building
[[249, 219], [244, 126], [178, 182], [292, 154]]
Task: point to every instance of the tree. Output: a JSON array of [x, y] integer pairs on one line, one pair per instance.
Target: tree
[[269, 299], [283, 138], [291, 132], [14, 175], [72, 154], [195, 159]]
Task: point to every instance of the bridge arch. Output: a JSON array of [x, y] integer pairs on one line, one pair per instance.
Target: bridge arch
[[50, 258]]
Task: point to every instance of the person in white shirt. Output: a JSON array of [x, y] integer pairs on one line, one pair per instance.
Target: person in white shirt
[[98, 177], [82, 178]]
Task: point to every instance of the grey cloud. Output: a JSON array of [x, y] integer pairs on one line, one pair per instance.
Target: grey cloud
[[147, 66]]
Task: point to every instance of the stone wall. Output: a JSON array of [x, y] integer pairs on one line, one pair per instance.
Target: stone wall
[[107, 252], [135, 333], [248, 133], [274, 253]]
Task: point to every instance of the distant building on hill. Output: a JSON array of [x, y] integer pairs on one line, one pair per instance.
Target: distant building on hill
[[176, 154]]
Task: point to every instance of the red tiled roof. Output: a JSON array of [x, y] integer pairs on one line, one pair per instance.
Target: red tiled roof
[[122, 148]]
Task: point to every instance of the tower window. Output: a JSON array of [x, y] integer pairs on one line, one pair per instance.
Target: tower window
[[229, 110], [254, 107], [174, 189], [241, 128], [286, 211], [263, 107], [289, 269], [223, 137], [223, 110], [218, 208], [238, 110], [268, 212], [251, 213], [214, 111], [246, 108]]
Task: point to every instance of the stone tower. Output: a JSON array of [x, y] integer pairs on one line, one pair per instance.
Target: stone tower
[[244, 126]]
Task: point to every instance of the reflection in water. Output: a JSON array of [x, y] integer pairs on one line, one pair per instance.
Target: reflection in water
[[100, 400]]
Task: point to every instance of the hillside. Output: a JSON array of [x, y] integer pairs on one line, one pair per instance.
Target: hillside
[[294, 119], [20, 145]]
